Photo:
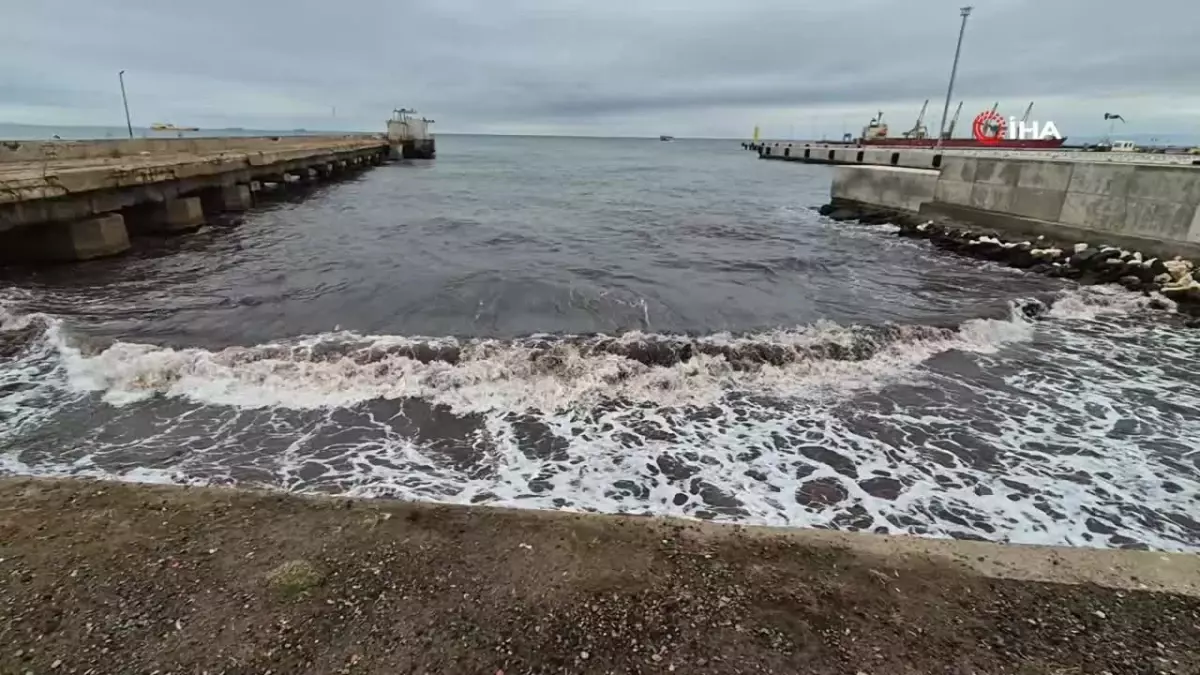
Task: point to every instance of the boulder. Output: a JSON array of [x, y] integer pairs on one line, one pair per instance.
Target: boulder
[[1178, 268], [1131, 282]]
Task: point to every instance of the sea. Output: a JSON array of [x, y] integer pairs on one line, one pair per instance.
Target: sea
[[615, 326]]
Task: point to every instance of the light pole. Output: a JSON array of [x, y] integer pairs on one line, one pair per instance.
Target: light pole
[[965, 12], [128, 124]]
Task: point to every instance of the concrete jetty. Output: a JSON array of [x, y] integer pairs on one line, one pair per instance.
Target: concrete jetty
[[1149, 206], [1136, 223], [76, 200]]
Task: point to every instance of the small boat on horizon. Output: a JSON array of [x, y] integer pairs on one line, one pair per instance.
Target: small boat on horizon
[[159, 126], [666, 138]]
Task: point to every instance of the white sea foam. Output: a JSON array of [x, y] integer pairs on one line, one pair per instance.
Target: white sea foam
[[1090, 302], [333, 370], [1031, 443]]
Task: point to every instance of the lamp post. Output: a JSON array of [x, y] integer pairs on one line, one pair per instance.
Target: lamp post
[[128, 124], [965, 12]]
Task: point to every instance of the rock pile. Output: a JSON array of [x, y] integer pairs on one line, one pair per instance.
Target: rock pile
[[1176, 278]]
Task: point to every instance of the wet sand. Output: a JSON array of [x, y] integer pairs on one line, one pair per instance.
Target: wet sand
[[100, 577]]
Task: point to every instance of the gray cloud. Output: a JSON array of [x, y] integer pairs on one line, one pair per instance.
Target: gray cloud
[[688, 67]]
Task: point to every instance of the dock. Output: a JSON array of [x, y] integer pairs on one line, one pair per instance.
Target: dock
[[77, 200], [1126, 218]]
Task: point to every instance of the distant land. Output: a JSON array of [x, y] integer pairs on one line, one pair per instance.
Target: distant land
[[40, 132]]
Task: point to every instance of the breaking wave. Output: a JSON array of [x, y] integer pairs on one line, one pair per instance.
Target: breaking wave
[[544, 373], [1026, 427]]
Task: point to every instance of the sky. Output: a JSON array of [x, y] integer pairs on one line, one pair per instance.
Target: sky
[[707, 68]]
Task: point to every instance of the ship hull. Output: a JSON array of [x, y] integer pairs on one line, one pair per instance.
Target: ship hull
[[1004, 144]]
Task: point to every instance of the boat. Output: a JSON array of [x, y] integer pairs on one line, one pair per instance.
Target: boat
[[876, 134], [161, 126], [666, 138]]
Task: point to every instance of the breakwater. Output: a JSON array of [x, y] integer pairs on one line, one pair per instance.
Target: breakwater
[[1137, 224], [78, 200]]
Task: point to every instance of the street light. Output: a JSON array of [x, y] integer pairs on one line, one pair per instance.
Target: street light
[[128, 124], [965, 12]]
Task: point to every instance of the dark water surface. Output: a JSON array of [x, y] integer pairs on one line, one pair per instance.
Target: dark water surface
[[616, 325]]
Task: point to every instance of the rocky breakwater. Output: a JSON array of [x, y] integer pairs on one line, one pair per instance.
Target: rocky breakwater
[[1176, 279]]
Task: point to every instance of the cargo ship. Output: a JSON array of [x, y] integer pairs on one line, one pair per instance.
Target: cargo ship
[[876, 134]]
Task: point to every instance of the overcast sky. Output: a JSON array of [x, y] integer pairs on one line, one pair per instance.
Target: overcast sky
[[599, 67]]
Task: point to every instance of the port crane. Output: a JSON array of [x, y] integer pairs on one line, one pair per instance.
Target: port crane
[[919, 130], [949, 132]]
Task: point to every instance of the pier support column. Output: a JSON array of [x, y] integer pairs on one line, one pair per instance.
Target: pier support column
[[172, 216], [228, 198], [95, 237]]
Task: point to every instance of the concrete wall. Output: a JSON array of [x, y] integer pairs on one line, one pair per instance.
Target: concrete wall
[[890, 187], [412, 129], [1154, 202], [38, 151], [840, 154]]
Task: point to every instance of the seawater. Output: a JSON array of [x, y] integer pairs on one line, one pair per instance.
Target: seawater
[[612, 325]]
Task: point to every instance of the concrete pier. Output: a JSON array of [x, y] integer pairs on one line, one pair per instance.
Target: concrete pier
[[1127, 223], [1153, 207], [74, 200]]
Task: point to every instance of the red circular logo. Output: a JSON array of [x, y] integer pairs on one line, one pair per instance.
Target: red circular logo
[[989, 128]]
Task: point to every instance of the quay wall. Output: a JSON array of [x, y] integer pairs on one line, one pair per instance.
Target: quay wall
[[1155, 207]]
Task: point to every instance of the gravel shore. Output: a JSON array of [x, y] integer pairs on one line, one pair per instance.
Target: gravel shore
[[121, 578]]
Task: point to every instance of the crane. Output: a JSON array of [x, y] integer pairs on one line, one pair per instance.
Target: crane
[[949, 133], [918, 130], [1025, 117]]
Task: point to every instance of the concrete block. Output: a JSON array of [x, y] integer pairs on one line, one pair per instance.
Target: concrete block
[[181, 214], [997, 171], [1042, 204], [876, 156], [173, 215], [885, 186], [958, 169], [991, 197], [1109, 180], [1194, 230], [1164, 220], [952, 191], [1045, 175], [846, 155], [1093, 212], [1180, 185], [236, 198], [84, 239]]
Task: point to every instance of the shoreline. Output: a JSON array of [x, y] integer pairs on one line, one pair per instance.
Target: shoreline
[[1047, 252], [105, 576]]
